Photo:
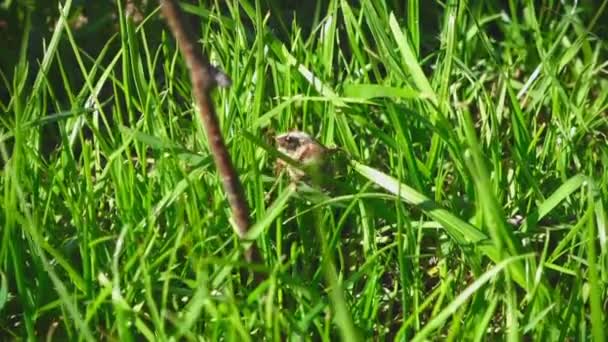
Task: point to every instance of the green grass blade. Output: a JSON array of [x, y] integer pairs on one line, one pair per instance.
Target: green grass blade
[[451, 308]]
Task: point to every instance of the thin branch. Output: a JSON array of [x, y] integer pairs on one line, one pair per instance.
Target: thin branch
[[204, 78]]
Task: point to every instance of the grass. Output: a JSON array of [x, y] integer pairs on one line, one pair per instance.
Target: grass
[[474, 206]]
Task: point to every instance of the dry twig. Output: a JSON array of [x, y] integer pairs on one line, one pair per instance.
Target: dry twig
[[204, 78]]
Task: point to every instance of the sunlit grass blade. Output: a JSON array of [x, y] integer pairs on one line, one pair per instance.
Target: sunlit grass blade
[[411, 62], [370, 91], [271, 214], [460, 230], [598, 314]]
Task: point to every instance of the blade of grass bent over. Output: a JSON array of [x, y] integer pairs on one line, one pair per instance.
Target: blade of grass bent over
[[463, 232]]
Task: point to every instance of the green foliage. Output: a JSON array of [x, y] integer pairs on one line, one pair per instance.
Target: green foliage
[[473, 205]]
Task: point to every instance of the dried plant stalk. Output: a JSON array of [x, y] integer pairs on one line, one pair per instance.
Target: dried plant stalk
[[204, 78]]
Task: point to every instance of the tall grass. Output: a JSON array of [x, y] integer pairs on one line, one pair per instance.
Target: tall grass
[[473, 207]]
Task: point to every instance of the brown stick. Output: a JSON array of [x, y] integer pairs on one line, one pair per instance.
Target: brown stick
[[204, 78]]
